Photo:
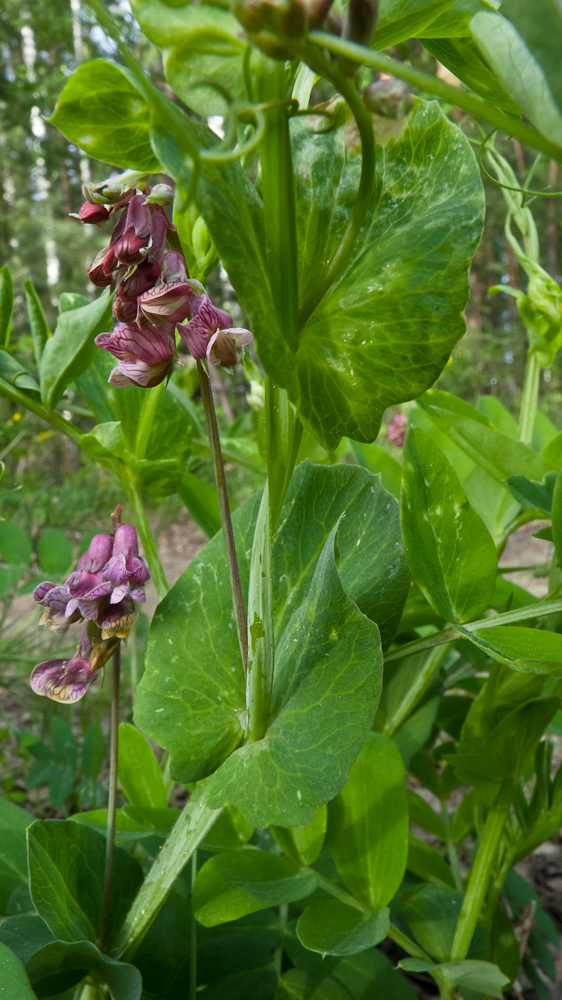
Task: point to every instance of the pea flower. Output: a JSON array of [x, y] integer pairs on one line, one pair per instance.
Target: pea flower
[[68, 680], [145, 356], [170, 300], [108, 579], [210, 334]]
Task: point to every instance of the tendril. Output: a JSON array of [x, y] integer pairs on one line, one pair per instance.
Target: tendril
[[524, 192]]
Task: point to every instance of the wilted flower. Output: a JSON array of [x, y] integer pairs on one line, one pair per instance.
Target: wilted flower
[[210, 334], [145, 356]]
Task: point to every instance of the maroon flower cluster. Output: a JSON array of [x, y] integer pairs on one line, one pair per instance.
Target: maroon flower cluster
[[101, 591], [154, 291]]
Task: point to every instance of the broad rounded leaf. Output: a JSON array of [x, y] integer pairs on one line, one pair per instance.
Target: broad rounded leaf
[[15, 544], [384, 332], [14, 984], [333, 928], [530, 650], [103, 112], [61, 965], [303, 844], [450, 551], [368, 824], [235, 883], [54, 553], [191, 699]]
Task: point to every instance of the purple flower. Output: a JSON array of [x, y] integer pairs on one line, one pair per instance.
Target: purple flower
[[132, 246], [86, 585], [126, 570], [65, 680], [169, 301], [210, 334], [118, 619], [93, 214], [145, 356], [55, 600]]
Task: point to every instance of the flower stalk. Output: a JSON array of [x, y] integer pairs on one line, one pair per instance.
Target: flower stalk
[[224, 510], [112, 801]]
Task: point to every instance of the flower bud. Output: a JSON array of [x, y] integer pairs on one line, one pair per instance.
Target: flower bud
[[113, 189], [317, 11], [388, 98], [161, 194], [93, 214], [124, 310], [96, 273], [360, 21]]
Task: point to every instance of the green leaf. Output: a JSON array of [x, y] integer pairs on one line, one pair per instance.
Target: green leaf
[[540, 29], [556, 519], [498, 455], [519, 72], [376, 460], [454, 23], [139, 772], [230, 829], [356, 973], [333, 928], [191, 699], [235, 883], [415, 241], [61, 965], [94, 388], [425, 862], [54, 553], [302, 844], [422, 815], [14, 984], [103, 112], [532, 651], [461, 56], [70, 350], [531, 494], [13, 856], [38, 325], [106, 442], [24, 933], [93, 751], [15, 374], [368, 824], [432, 912], [202, 44], [6, 305], [325, 689], [301, 984], [470, 974], [501, 753], [64, 742], [399, 20], [15, 544], [450, 552], [66, 875], [202, 502]]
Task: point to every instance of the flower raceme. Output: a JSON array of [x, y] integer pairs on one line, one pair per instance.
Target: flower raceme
[[101, 591], [154, 290]]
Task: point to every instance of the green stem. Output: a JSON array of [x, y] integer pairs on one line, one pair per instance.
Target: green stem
[[523, 518], [530, 398], [193, 936], [346, 87], [56, 420], [147, 538], [278, 953], [261, 653], [150, 401], [423, 679], [469, 102], [482, 872], [451, 849], [112, 802], [447, 634], [278, 196], [191, 827], [224, 511]]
